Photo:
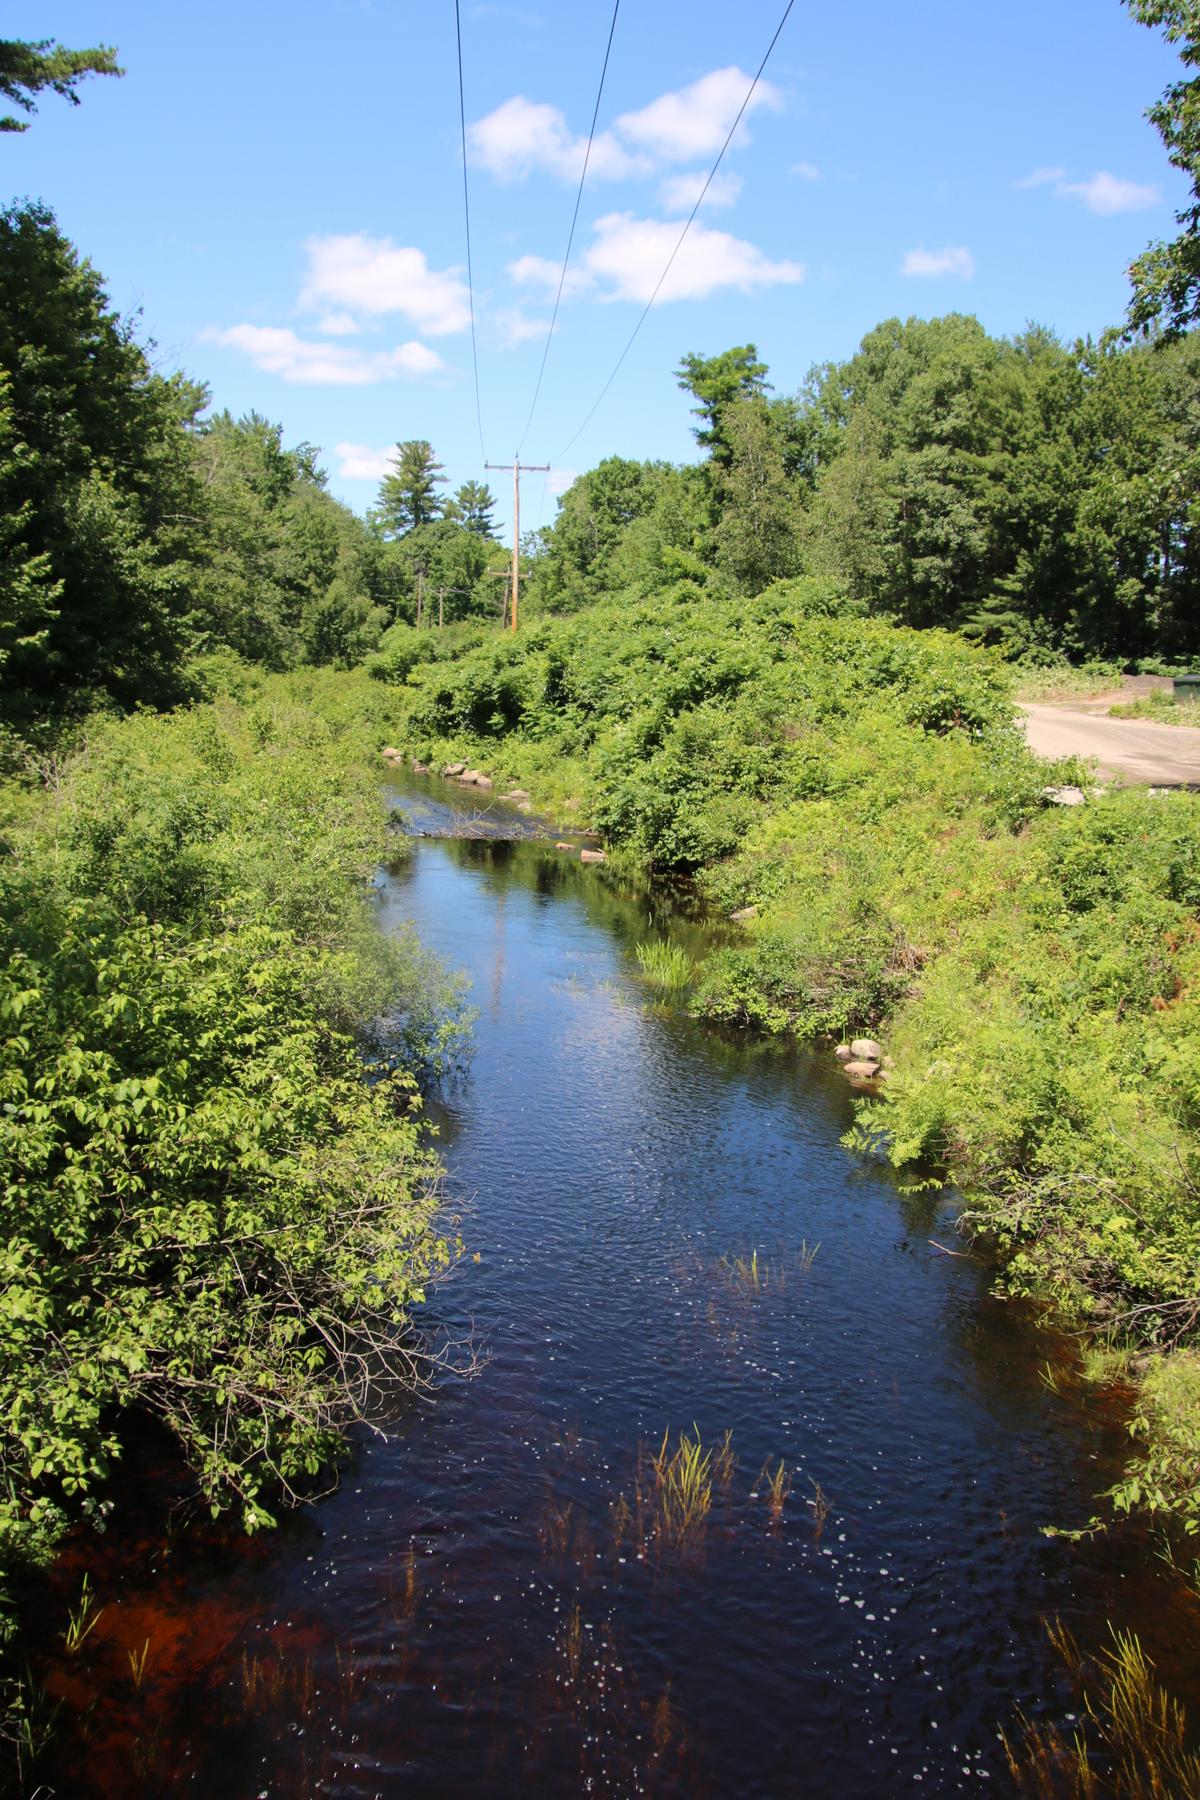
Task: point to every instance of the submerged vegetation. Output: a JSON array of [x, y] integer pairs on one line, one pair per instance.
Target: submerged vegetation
[[1132, 1741]]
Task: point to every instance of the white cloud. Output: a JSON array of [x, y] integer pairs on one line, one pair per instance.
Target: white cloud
[[630, 253], [806, 171], [357, 274], [523, 135], [1041, 178], [360, 463], [679, 193], [516, 327], [338, 324], [559, 480], [694, 121], [956, 259], [1104, 193], [281, 352], [540, 271]]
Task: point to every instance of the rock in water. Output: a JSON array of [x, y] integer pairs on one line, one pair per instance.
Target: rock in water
[[866, 1050], [592, 856]]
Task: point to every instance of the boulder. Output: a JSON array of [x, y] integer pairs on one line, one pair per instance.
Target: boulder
[[419, 768], [564, 846], [866, 1049], [469, 777], [592, 856], [744, 913], [390, 753], [483, 781], [843, 1052], [453, 768], [861, 1070], [1064, 796], [515, 794]]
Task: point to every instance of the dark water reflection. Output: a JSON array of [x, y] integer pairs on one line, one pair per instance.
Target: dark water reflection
[[475, 1612]]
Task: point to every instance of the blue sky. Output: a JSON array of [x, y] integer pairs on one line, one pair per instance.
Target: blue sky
[[278, 187]]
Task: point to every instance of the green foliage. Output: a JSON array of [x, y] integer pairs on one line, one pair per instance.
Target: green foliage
[[408, 496], [286, 573], [1166, 277], [27, 68], [219, 1199], [95, 481]]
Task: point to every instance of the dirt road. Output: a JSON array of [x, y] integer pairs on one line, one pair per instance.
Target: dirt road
[[1127, 750]]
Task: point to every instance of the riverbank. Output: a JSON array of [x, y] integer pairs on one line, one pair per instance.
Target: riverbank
[[220, 1199], [861, 795]]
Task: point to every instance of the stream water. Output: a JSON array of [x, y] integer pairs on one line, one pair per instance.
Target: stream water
[[668, 1235]]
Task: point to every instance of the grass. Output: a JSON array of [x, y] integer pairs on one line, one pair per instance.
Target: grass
[[83, 1619], [664, 965], [684, 1487], [137, 1664], [1162, 708], [777, 1485], [1132, 1740], [1086, 682]]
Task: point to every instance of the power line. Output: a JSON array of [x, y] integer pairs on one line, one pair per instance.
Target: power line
[[687, 227], [574, 221], [462, 120]]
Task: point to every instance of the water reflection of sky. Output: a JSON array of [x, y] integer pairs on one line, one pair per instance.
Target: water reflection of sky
[[472, 1613]]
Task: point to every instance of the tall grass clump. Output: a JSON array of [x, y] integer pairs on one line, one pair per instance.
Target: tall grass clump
[[1133, 1740], [664, 965]]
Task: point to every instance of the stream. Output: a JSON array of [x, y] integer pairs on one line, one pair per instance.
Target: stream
[[664, 1233]]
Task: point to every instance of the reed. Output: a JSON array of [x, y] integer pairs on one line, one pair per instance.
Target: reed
[[684, 1481], [1132, 1742], [776, 1485], [137, 1664], [664, 965], [82, 1619], [820, 1509]]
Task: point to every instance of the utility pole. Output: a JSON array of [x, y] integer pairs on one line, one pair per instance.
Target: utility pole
[[516, 465], [441, 597], [420, 593]]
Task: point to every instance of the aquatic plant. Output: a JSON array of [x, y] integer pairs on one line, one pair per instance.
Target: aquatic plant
[[137, 1664], [777, 1485], [664, 965], [820, 1504], [684, 1482], [82, 1619], [1132, 1742]]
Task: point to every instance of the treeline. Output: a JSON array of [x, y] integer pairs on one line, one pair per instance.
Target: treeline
[[138, 531], [1031, 495]]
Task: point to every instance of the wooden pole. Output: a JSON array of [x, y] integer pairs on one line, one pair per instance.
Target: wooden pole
[[516, 465], [516, 574]]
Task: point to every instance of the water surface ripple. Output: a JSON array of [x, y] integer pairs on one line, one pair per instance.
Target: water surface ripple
[[482, 1608]]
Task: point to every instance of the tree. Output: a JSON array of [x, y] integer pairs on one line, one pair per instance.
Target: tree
[[717, 381], [408, 496], [27, 68], [472, 506], [98, 489], [756, 536], [1166, 277]]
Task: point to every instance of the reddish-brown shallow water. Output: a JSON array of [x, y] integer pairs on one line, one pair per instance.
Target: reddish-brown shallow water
[[489, 1604]]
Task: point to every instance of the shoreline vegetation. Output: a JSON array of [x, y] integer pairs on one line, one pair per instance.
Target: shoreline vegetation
[[785, 670], [860, 794], [222, 1204]]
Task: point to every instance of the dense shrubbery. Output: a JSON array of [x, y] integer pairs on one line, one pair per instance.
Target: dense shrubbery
[[864, 788], [219, 1201]]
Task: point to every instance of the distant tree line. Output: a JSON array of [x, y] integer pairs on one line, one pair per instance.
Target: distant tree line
[[1039, 496]]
